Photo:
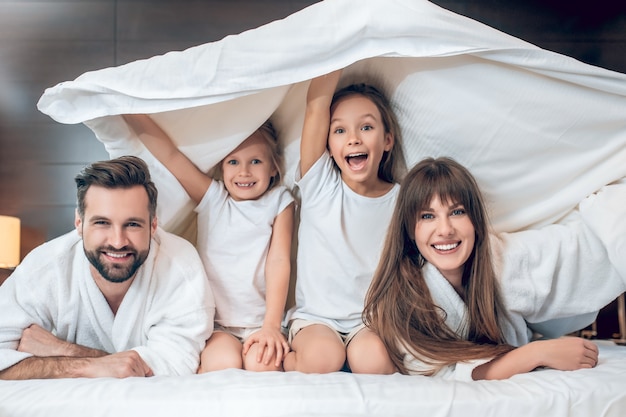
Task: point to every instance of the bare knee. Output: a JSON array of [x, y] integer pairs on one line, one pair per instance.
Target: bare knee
[[222, 351], [251, 362], [367, 355], [316, 349]]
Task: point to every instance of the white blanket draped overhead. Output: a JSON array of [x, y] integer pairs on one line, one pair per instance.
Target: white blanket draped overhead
[[539, 130]]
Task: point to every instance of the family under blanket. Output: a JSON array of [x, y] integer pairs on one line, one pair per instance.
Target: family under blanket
[[396, 272]]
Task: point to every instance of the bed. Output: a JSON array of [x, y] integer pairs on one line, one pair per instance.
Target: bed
[[585, 393], [539, 130]]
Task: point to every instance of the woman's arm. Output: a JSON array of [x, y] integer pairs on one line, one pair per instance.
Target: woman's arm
[[317, 119], [277, 273], [194, 181], [565, 353]]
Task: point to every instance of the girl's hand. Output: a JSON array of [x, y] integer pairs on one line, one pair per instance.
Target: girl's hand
[[272, 344]]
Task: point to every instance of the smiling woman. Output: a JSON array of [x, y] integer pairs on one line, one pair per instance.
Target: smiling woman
[[444, 236], [447, 291]]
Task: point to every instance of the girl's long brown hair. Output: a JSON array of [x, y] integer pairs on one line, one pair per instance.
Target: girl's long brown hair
[[399, 306]]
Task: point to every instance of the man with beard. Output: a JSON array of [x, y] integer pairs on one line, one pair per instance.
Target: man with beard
[[117, 297]]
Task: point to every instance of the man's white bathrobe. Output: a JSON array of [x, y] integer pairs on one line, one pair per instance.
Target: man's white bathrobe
[[166, 316], [553, 280]]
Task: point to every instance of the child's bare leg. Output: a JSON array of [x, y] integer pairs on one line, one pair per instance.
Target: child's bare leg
[[222, 351], [367, 354], [315, 349], [250, 362]]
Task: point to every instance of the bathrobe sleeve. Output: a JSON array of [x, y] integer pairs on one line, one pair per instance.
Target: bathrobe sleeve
[[31, 295], [179, 314], [560, 273]]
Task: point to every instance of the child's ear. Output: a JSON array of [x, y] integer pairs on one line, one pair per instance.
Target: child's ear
[[389, 141]]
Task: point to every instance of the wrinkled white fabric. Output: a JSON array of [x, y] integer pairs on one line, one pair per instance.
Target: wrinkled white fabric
[[539, 130], [598, 392]]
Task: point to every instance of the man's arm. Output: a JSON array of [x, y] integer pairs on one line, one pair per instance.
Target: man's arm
[[56, 358], [117, 365], [40, 342]]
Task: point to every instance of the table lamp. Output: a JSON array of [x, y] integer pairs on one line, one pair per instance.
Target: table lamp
[[9, 242]]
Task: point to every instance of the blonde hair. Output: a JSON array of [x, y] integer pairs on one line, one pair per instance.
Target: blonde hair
[[399, 306]]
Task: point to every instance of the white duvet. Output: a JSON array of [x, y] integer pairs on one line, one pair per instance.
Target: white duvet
[[539, 130]]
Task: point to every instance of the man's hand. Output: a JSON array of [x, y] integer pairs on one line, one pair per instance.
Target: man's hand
[[118, 365]]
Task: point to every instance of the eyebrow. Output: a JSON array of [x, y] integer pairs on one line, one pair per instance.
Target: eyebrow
[[130, 219], [365, 116]]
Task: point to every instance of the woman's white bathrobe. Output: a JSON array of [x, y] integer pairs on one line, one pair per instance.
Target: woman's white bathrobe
[[553, 280], [166, 316]]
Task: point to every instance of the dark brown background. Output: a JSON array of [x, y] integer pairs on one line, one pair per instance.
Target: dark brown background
[[45, 42]]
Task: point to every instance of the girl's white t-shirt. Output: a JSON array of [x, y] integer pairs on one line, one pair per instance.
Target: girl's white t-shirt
[[233, 241], [340, 238]]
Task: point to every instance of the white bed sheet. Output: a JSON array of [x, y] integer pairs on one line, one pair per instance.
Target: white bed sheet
[[598, 392]]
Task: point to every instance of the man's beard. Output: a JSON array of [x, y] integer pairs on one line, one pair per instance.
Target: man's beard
[[113, 272]]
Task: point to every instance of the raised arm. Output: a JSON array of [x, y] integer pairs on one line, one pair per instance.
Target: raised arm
[[277, 272], [194, 181], [565, 353], [317, 119]]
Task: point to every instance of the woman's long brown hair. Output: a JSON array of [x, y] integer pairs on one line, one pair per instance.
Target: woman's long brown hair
[[399, 306]]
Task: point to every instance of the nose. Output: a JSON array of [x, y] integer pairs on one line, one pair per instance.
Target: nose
[[244, 169], [445, 226], [354, 139], [118, 238]]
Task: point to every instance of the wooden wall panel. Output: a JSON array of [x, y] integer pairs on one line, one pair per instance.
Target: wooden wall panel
[[45, 42]]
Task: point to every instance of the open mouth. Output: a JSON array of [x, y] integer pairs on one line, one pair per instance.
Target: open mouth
[[356, 160], [245, 184]]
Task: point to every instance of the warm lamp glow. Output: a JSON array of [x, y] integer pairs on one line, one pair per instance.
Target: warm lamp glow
[[9, 241]]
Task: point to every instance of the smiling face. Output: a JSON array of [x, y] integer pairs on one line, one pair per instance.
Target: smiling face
[[249, 169], [357, 141], [116, 231], [445, 236]]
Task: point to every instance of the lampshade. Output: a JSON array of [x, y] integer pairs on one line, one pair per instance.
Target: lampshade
[[9, 241]]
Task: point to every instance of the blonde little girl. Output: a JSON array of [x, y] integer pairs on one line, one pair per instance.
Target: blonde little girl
[[245, 223]]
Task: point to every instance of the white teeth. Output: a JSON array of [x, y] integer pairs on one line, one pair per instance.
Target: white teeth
[[449, 246], [248, 184], [116, 255]]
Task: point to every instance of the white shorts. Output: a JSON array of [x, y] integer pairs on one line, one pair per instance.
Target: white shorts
[[241, 333], [298, 324]]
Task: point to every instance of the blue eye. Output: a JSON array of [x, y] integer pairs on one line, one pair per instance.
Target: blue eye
[[232, 162], [458, 212], [367, 127], [256, 161], [426, 216], [339, 130]]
